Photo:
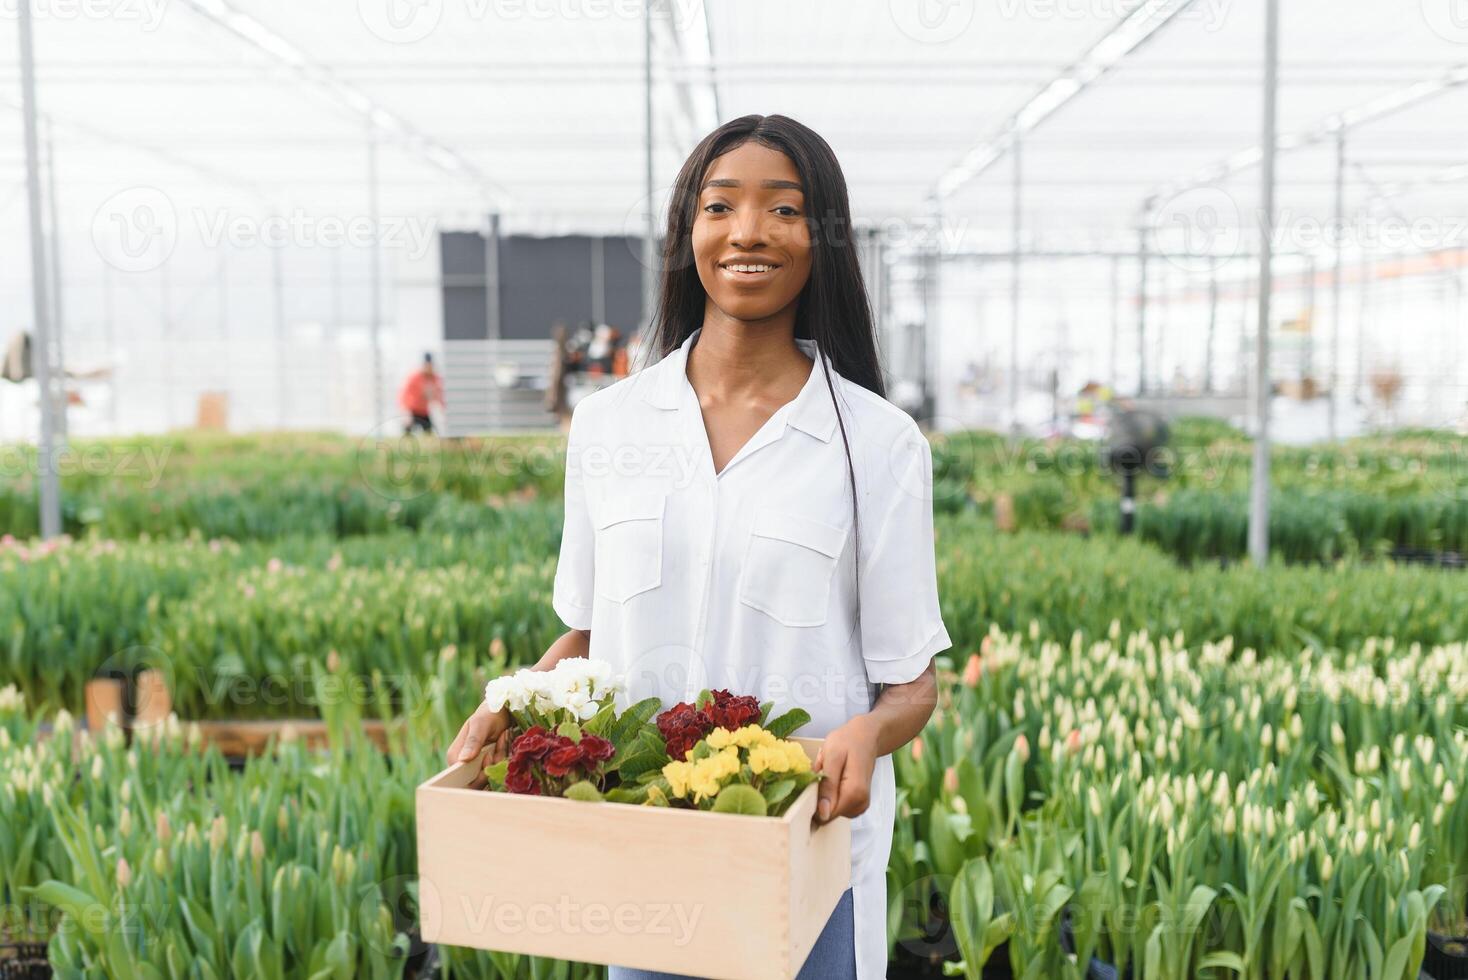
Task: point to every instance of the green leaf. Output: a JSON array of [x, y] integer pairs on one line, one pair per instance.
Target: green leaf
[[783, 725], [740, 798], [569, 729], [497, 773], [583, 790], [775, 792]]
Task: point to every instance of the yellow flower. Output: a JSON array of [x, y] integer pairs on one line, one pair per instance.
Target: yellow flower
[[719, 738], [746, 737], [709, 773], [779, 756], [677, 774]]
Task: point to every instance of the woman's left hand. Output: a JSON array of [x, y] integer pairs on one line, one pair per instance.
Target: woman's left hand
[[846, 757]]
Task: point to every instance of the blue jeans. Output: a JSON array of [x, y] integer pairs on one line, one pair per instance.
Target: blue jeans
[[833, 957]]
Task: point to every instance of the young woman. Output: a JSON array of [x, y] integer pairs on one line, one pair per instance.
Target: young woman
[[750, 512]]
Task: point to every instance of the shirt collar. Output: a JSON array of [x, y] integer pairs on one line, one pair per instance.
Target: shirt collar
[[811, 412]]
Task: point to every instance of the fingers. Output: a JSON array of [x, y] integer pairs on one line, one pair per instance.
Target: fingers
[[854, 792], [828, 799], [499, 747], [452, 755], [476, 730]]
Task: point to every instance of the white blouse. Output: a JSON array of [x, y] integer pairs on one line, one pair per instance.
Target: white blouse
[[743, 579]]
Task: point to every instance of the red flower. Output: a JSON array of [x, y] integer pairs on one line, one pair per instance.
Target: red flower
[[596, 749], [681, 727], [563, 759], [556, 755], [731, 712], [683, 724]]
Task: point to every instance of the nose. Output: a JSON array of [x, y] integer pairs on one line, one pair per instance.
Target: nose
[[746, 231]]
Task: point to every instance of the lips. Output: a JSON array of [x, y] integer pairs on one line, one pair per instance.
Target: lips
[[748, 272]]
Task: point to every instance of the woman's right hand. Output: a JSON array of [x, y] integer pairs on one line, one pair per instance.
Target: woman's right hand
[[483, 728]]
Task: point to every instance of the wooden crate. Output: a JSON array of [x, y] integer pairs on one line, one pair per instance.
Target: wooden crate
[[720, 895]]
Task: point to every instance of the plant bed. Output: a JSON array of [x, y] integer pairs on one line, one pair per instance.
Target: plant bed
[[24, 961], [652, 887], [1446, 957]]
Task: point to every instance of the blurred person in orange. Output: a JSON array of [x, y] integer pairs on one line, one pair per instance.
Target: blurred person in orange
[[423, 388]]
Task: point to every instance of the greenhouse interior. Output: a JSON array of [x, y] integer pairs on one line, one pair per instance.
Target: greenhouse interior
[[1133, 332]]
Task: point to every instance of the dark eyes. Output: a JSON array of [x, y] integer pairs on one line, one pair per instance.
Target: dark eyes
[[792, 211]]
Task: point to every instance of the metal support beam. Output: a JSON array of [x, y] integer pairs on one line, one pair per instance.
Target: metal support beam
[[374, 320], [58, 322], [282, 358], [40, 351], [1016, 232], [1212, 330], [1114, 354], [492, 305], [1338, 225], [1142, 308], [649, 232], [1259, 489]]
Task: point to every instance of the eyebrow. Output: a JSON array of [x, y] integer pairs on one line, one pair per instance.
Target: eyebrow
[[792, 185]]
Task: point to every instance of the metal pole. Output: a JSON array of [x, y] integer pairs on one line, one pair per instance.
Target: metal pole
[[492, 278], [109, 342], [333, 339], [1362, 311], [1142, 308], [1016, 229], [40, 353], [649, 233], [165, 334], [1307, 366], [375, 288], [1164, 323], [1212, 330], [1115, 320], [598, 279], [277, 285], [933, 322], [1259, 491], [58, 330], [1333, 379]]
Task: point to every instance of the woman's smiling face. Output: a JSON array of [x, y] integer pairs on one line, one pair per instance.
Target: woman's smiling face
[[751, 239]]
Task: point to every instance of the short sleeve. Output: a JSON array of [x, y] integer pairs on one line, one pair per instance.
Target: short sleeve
[[571, 596], [901, 623]]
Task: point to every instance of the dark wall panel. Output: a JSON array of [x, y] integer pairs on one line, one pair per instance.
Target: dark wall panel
[[542, 280], [461, 264]]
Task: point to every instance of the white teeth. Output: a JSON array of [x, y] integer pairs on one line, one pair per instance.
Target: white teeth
[[749, 268]]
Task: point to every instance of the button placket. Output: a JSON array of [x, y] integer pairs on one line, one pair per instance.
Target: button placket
[[711, 513]]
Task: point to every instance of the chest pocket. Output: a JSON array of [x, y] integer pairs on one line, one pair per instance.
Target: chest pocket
[[629, 545], [788, 567]]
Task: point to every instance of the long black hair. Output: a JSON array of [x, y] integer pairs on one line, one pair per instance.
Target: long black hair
[[832, 308]]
